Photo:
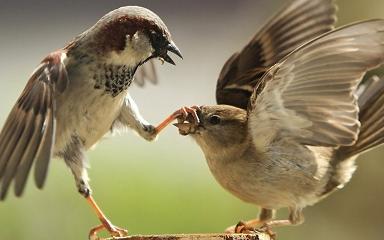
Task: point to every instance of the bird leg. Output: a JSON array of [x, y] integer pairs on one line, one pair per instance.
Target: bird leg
[[265, 222], [105, 223], [252, 225], [76, 160], [181, 114], [85, 191], [296, 217], [130, 116]]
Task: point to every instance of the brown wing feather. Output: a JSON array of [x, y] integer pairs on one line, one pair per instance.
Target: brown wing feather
[[146, 72], [309, 97], [28, 133], [45, 150], [371, 106], [296, 24]]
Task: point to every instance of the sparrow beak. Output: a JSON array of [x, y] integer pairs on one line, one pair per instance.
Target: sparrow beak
[[184, 128], [174, 49], [171, 47]]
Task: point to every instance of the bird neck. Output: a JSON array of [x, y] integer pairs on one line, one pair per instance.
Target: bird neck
[[226, 148]]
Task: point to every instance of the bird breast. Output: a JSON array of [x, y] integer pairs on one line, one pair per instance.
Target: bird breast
[[113, 79], [85, 111]]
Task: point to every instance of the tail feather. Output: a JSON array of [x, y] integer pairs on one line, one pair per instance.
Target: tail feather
[[371, 116]]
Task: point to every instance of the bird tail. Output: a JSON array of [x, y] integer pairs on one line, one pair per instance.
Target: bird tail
[[371, 116]]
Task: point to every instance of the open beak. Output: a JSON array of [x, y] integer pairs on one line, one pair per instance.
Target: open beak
[[185, 128], [171, 47]]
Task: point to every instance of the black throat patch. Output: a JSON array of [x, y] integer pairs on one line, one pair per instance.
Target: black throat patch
[[114, 79]]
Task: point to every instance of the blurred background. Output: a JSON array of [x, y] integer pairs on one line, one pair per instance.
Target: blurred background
[[166, 186]]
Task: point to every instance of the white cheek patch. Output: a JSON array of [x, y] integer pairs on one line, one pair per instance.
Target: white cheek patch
[[137, 49]]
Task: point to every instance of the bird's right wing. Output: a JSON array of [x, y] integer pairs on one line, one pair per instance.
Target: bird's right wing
[[309, 97], [28, 134], [299, 22]]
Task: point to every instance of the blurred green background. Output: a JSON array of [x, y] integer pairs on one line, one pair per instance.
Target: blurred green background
[[164, 187]]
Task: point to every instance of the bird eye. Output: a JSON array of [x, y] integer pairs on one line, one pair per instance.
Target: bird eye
[[214, 119]]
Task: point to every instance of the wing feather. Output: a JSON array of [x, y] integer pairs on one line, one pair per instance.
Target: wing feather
[[299, 22], [146, 72], [45, 150], [310, 95], [17, 151], [28, 133]]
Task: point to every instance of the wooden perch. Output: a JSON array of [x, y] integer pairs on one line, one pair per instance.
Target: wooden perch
[[214, 236]]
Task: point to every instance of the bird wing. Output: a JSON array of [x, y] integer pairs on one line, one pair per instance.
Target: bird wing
[[29, 131], [309, 97], [296, 24], [146, 72]]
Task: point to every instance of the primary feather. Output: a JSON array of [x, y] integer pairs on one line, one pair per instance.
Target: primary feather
[[299, 22], [309, 96]]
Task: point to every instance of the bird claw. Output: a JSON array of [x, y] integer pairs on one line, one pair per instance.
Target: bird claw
[[113, 231], [188, 114], [241, 227], [244, 228], [267, 229], [187, 119], [181, 115]]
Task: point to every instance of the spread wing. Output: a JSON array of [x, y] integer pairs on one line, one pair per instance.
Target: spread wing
[[309, 97], [296, 24], [146, 72], [28, 134]]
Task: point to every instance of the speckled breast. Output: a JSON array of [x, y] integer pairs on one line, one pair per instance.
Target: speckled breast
[[114, 79]]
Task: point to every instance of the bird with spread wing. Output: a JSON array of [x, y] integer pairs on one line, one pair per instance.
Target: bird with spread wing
[[293, 113]]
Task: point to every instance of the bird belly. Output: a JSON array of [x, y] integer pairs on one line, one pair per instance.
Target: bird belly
[[85, 113], [276, 180], [241, 180]]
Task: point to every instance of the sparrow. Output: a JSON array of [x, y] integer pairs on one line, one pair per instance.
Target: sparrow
[[78, 94], [293, 116]]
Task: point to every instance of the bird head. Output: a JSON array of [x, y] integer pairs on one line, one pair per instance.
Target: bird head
[[130, 36], [219, 127]]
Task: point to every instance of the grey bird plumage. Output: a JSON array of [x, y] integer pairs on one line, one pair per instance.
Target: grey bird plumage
[[78, 94], [294, 138]]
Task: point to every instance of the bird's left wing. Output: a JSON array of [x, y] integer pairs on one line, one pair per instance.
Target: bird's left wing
[[146, 72], [299, 22], [309, 97], [29, 131]]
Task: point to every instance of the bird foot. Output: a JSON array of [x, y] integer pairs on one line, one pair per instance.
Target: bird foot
[[242, 227], [105, 223], [267, 229], [181, 115], [188, 121], [188, 114], [113, 231], [245, 228]]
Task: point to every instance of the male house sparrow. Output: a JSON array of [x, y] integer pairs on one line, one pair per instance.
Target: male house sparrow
[[294, 138], [78, 94]]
